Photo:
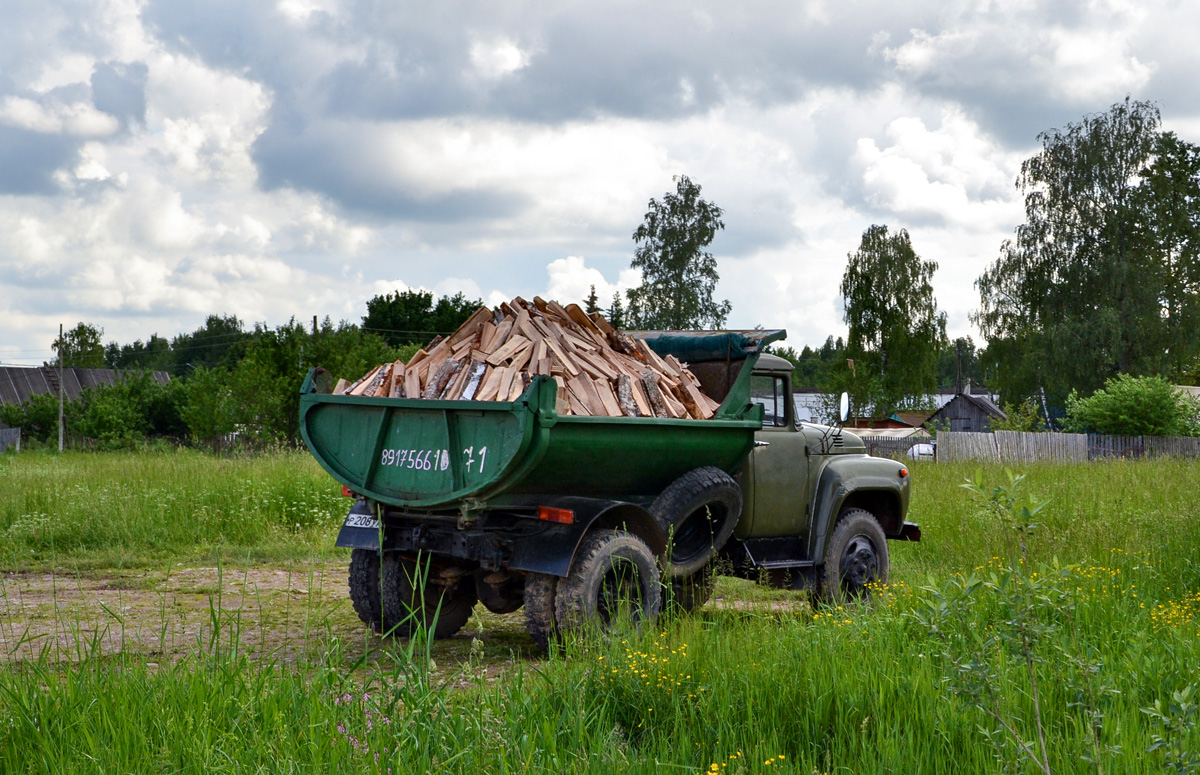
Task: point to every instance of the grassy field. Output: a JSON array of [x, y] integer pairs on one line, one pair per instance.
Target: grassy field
[[975, 659], [132, 510]]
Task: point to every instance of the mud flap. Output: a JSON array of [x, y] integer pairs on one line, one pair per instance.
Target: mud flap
[[360, 530]]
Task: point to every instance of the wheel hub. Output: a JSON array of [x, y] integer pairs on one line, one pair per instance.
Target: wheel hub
[[860, 565]]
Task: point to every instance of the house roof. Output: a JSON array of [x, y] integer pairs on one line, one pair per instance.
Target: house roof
[[983, 403], [19, 383], [876, 422], [915, 419]]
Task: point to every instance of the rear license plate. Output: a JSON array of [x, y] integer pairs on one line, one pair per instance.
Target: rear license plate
[[362, 520]]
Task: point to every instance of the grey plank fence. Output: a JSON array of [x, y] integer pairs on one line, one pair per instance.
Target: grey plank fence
[[1015, 447], [10, 437]]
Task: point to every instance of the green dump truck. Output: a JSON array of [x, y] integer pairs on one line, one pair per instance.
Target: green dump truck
[[584, 521]]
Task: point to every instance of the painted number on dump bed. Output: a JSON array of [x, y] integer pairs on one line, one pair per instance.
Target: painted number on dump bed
[[417, 459], [469, 454]]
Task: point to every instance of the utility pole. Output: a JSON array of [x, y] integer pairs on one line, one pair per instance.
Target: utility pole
[[958, 379], [62, 346]]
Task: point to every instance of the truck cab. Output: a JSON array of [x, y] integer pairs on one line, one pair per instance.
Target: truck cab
[[799, 478]]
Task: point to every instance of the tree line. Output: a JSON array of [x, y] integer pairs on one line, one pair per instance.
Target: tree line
[[1097, 293], [1099, 286]]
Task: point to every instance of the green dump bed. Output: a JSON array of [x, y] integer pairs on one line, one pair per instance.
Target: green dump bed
[[448, 455], [422, 454]]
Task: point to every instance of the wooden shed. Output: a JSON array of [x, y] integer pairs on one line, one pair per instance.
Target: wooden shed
[[966, 412]]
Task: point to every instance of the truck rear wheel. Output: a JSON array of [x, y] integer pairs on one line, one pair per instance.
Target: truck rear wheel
[[540, 591], [856, 560], [614, 579], [415, 597], [364, 587], [698, 512]]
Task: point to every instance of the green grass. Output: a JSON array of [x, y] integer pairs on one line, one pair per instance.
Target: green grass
[[742, 686], [138, 509]]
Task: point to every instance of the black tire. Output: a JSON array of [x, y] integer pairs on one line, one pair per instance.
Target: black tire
[[364, 587], [689, 593], [540, 591], [442, 607], [698, 512], [614, 580], [856, 559]]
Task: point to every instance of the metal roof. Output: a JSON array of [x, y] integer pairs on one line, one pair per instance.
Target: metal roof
[[19, 383]]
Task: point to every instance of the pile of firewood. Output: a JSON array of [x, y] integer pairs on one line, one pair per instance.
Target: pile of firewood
[[496, 353]]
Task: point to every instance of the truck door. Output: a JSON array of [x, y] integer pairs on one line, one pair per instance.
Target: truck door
[[778, 502]]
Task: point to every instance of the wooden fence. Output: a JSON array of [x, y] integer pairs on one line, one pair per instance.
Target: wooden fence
[[882, 446], [1016, 447], [10, 437]]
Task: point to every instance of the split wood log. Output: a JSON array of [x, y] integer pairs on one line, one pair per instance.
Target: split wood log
[[612, 407], [473, 382], [650, 384], [470, 329], [438, 383], [396, 389], [412, 383], [360, 387], [629, 406], [508, 350]]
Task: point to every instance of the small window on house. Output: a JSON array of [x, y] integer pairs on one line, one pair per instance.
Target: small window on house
[[769, 392]]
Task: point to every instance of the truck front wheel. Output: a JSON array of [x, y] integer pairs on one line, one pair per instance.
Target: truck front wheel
[[614, 579], [856, 560], [414, 596]]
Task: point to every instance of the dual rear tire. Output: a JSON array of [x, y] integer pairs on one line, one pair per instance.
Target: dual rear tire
[[396, 595], [614, 582]]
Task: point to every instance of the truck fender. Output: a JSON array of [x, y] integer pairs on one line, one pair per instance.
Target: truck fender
[[552, 551], [871, 483]]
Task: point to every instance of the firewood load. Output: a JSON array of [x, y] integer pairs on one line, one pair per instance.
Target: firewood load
[[496, 353]]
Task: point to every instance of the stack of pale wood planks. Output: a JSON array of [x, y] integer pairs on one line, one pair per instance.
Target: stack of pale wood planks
[[495, 354]]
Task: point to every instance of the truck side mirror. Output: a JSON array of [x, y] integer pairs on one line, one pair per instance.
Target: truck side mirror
[[844, 408]]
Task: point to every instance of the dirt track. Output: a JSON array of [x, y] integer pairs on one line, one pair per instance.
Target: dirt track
[[172, 611], [270, 612]]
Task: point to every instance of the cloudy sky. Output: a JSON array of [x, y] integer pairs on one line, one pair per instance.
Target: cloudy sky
[[163, 160]]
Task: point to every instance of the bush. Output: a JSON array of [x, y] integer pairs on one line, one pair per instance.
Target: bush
[[38, 417], [1133, 406], [126, 413], [1021, 417]]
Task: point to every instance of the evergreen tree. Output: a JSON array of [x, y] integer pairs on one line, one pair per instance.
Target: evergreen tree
[[616, 313], [592, 303]]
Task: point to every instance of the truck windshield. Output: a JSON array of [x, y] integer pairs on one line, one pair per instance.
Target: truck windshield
[[768, 391]]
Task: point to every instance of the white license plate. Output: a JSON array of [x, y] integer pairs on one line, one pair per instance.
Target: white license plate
[[362, 520]]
